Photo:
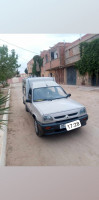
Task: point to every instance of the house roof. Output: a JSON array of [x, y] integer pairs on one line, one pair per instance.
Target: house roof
[[78, 41]]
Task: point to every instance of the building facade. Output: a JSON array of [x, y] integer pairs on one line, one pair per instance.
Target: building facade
[[54, 62], [59, 62], [72, 55]]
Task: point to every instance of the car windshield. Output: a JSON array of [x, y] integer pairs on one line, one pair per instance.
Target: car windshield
[[48, 93]]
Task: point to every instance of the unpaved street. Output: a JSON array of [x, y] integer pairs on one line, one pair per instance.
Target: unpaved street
[[78, 147]]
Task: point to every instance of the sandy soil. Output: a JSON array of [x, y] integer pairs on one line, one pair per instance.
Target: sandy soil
[[79, 147]]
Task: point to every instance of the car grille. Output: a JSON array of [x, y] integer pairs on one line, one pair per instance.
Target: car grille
[[69, 115], [59, 117], [72, 114]]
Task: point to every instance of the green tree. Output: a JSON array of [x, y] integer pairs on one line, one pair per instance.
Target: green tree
[[89, 62], [8, 64], [38, 61]]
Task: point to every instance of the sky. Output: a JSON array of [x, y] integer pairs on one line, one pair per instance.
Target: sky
[[29, 45]]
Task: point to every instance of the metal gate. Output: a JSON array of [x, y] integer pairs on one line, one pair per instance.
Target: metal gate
[[94, 80], [59, 75], [71, 75]]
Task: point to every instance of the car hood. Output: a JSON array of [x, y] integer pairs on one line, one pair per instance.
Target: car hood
[[58, 105]]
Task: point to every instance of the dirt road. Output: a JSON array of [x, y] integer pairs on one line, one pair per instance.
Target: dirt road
[[78, 147]]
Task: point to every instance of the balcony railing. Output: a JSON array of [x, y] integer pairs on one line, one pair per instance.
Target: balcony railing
[[47, 66], [72, 59], [52, 64], [55, 63]]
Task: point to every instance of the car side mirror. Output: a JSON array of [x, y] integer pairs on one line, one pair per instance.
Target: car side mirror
[[28, 100], [68, 95]]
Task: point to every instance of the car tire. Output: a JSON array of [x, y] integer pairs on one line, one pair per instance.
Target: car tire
[[37, 131], [23, 101], [26, 108]]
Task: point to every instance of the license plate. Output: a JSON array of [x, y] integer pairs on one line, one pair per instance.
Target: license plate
[[73, 125]]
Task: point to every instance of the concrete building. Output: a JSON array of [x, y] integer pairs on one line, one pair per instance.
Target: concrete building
[[72, 55], [30, 66], [54, 61]]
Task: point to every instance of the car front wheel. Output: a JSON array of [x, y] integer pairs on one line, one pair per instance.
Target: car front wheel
[[26, 108], [37, 128]]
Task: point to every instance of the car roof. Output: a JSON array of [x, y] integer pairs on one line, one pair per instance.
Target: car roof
[[44, 84]]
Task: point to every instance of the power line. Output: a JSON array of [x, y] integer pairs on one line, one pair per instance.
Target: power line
[[20, 57], [19, 47]]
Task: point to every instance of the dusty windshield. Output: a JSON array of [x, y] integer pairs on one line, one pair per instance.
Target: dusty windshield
[[48, 93]]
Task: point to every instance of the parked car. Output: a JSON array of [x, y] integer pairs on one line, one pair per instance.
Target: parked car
[[52, 108]]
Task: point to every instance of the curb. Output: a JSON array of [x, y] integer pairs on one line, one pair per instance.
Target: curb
[[4, 135]]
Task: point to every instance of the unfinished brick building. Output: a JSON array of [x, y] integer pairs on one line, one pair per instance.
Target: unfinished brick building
[[54, 62], [59, 61]]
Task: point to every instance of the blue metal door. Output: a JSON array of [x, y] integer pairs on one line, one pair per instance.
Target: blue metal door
[[71, 75], [95, 82]]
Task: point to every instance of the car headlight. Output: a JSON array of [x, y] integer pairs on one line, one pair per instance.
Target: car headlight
[[82, 111], [47, 118]]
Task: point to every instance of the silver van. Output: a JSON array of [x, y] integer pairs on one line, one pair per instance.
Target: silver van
[[51, 107]]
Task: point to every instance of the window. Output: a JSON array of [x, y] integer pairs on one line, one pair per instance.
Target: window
[[52, 55], [55, 55], [30, 94], [48, 93]]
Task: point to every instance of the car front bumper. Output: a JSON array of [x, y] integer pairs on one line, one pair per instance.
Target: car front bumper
[[54, 128]]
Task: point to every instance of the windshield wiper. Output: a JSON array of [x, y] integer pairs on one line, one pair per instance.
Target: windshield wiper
[[60, 98], [68, 95], [38, 100]]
